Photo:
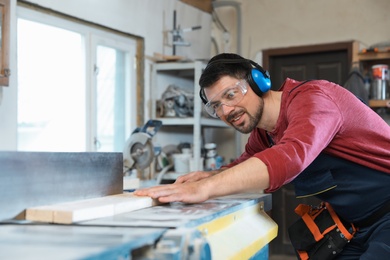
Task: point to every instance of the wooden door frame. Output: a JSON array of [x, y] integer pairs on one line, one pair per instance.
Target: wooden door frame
[[350, 46]]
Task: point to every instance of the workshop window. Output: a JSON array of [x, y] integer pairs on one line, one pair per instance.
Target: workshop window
[[75, 85]]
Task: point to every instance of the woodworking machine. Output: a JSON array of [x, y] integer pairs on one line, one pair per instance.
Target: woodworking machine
[[139, 154], [233, 227], [139, 151]]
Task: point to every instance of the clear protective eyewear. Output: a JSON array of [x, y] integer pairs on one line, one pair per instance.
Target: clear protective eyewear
[[230, 96]]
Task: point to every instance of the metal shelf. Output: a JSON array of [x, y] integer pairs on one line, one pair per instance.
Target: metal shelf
[[183, 121], [178, 66], [191, 71], [368, 59]]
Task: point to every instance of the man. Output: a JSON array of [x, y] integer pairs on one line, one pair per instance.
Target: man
[[315, 134]]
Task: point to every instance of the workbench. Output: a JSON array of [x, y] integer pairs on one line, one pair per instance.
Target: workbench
[[232, 227]]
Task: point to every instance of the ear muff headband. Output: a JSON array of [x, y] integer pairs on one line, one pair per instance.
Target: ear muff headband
[[258, 78]]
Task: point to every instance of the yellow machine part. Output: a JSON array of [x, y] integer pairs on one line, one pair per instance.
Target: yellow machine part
[[241, 234]]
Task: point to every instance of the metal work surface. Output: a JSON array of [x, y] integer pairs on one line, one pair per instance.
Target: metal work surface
[[171, 231], [177, 215], [29, 179], [72, 242], [233, 227]]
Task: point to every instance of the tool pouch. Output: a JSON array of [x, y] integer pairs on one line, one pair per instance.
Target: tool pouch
[[319, 233]]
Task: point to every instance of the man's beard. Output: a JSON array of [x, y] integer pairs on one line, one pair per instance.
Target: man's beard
[[253, 120]]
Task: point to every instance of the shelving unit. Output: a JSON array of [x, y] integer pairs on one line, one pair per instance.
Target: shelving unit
[[184, 129], [367, 60]]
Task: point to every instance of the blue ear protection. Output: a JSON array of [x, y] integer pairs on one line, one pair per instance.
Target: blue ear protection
[[258, 78]]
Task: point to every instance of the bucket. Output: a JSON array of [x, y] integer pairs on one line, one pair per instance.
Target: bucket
[[181, 162]]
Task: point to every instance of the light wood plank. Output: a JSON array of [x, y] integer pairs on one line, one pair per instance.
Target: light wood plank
[[71, 212]]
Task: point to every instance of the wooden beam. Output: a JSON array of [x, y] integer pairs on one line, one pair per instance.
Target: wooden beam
[[71, 212]]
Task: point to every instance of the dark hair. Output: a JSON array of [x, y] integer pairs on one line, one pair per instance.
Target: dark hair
[[215, 70]]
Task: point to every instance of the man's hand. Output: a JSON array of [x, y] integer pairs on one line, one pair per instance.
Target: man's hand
[[195, 176], [189, 192], [248, 176]]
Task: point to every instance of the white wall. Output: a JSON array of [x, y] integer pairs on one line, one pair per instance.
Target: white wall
[[143, 18], [279, 23]]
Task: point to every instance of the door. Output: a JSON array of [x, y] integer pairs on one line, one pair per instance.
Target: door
[[329, 61], [332, 66]]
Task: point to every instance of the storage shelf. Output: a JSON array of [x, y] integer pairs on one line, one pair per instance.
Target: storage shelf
[[176, 66], [176, 121], [183, 121], [379, 103], [367, 60], [374, 56], [212, 122]]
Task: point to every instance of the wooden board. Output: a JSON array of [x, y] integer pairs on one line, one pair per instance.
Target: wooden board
[[71, 212]]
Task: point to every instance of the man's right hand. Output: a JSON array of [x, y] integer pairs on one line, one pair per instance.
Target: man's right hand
[[195, 176]]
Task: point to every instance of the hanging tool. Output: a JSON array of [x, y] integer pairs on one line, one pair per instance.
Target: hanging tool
[[177, 34]]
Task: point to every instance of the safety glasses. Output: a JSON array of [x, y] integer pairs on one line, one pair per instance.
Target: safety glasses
[[230, 96]]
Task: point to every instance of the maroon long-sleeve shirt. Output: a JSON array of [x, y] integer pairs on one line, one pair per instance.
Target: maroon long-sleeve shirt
[[319, 116]]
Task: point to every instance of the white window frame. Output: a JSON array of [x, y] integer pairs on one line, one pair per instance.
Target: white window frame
[[93, 37]]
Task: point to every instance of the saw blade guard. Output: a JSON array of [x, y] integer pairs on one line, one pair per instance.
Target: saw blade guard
[[138, 152]]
